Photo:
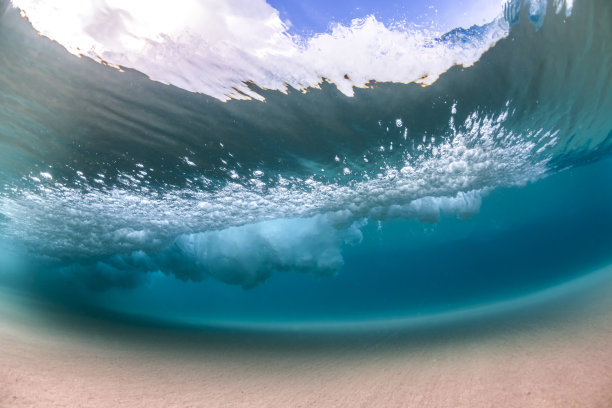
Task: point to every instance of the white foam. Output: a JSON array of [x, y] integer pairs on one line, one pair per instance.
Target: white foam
[[247, 255], [215, 47], [241, 232], [93, 220]]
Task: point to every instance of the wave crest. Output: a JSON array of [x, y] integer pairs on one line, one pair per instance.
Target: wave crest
[[220, 47]]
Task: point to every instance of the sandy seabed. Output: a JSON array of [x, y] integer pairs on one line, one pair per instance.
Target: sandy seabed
[[554, 354]]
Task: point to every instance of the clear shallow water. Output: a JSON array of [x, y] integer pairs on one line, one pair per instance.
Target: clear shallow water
[[490, 183]]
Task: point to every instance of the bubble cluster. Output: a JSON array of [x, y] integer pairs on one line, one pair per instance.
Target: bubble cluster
[[240, 233]]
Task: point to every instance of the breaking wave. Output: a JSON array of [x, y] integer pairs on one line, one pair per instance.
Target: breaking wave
[[287, 146]]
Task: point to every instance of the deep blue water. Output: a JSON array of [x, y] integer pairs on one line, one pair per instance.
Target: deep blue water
[[125, 194]]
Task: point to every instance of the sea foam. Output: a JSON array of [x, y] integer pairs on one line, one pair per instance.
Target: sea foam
[[220, 47]]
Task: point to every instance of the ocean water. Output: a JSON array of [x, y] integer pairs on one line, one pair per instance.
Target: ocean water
[[271, 168]]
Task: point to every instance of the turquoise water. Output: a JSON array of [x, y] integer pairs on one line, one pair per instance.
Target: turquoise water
[[125, 194]]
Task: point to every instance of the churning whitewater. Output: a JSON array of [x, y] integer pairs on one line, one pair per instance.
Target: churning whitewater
[[144, 142]]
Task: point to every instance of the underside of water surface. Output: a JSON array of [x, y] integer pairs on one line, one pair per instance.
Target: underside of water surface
[[365, 170]]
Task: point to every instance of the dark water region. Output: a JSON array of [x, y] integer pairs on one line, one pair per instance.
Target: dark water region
[[125, 195]]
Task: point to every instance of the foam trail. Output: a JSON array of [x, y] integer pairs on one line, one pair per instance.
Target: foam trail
[[249, 254], [482, 154]]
